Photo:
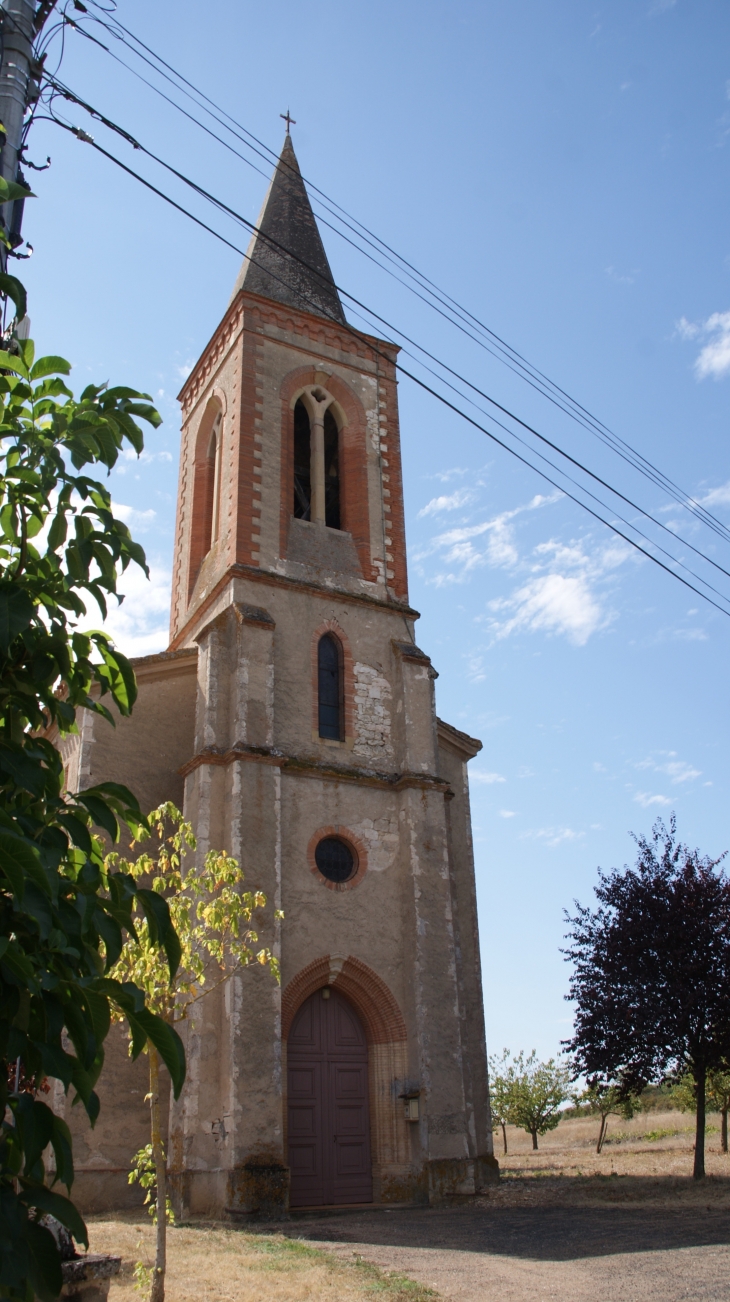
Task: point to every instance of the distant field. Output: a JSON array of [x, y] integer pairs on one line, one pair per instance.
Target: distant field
[[643, 1159]]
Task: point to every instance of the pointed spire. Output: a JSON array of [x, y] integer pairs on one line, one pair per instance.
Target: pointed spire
[[304, 280]]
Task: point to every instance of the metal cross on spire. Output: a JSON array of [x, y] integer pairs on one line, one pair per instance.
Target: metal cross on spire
[[290, 121]]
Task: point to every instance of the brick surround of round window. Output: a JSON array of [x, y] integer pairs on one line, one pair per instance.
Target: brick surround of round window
[[359, 852]]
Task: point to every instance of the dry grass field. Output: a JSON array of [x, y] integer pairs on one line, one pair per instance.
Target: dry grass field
[[647, 1160], [218, 1263], [556, 1223]]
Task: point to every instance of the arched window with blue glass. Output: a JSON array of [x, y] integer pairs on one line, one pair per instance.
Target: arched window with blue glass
[[331, 688]]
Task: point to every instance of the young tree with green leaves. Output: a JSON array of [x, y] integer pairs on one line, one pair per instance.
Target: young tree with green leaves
[[531, 1092], [64, 912], [212, 917], [717, 1096], [607, 1101], [499, 1093]]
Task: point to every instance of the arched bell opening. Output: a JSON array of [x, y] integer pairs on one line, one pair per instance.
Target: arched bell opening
[[317, 479], [331, 471], [206, 489], [302, 463]]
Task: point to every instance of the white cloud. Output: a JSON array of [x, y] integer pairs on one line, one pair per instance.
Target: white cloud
[[554, 603], [644, 799], [506, 813], [140, 626], [719, 496], [661, 7], [452, 502], [552, 835], [461, 550], [622, 277], [137, 521], [714, 357], [129, 456], [185, 370], [562, 600], [488, 779], [674, 768]]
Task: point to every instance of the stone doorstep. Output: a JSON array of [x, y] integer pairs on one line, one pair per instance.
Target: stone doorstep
[[311, 1213]]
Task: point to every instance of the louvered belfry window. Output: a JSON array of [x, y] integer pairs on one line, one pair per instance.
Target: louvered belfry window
[[330, 687]]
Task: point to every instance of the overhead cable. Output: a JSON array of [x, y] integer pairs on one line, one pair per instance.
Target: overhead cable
[[404, 371], [467, 322]]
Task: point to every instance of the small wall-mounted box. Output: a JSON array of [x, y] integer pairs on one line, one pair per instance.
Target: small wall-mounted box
[[412, 1113]]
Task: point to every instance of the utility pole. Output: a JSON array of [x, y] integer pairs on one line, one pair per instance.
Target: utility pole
[[17, 31]]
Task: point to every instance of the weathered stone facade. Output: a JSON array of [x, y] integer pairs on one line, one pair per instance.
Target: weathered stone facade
[[230, 712]]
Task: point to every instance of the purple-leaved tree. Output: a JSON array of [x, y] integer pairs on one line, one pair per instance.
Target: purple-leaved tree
[[651, 976]]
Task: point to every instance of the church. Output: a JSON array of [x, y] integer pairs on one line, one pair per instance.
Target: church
[[293, 718]]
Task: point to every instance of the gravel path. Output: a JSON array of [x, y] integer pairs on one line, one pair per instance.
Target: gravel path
[[542, 1253]]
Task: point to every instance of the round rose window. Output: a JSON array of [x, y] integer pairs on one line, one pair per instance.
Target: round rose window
[[335, 859]]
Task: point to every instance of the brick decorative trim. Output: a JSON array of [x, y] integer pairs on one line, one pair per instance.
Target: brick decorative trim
[[348, 674], [359, 851], [345, 339], [377, 1006], [248, 488]]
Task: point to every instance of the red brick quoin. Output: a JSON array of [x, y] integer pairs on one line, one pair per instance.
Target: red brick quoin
[[359, 850], [378, 1008]]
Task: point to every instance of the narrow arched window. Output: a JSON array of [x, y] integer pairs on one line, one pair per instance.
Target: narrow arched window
[[206, 489], [302, 463], [331, 471], [329, 667], [214, 465]]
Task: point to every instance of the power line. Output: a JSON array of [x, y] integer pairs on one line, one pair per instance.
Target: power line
[[516, 362], [416, 380], [70, 95]]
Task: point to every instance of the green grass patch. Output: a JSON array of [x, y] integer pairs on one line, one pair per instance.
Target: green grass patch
[[653, 1136], [390, 1284], [283, 1253]]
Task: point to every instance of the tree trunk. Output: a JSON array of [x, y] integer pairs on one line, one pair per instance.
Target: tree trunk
[[504, 1135], [723, 1133], [157, 1292], [534, 1139], [699, 1167], [602, 1133]]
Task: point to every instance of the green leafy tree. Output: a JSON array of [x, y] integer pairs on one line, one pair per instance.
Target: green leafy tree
[[533, 1092], [717, 1096], [606, 1101], [64, 912], [499, 1093], [212, 917]]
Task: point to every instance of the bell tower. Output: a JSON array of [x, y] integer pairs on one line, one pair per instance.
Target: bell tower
[[290, 454], [320, 763]]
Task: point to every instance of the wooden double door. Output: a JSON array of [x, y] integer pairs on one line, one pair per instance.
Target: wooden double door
[[328, 1104]]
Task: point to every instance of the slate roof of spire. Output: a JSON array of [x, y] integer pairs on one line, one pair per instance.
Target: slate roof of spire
[[269, 269]]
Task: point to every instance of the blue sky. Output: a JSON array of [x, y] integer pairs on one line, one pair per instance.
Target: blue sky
[[561, 170]]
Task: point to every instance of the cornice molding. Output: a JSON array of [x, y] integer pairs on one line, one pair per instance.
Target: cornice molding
[[307, 767], [256, 575]]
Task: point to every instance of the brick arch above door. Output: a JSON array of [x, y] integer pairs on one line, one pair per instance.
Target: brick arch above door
[[383, 1020]]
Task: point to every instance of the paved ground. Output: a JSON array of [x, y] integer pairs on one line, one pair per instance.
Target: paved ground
[[542, 1253]]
